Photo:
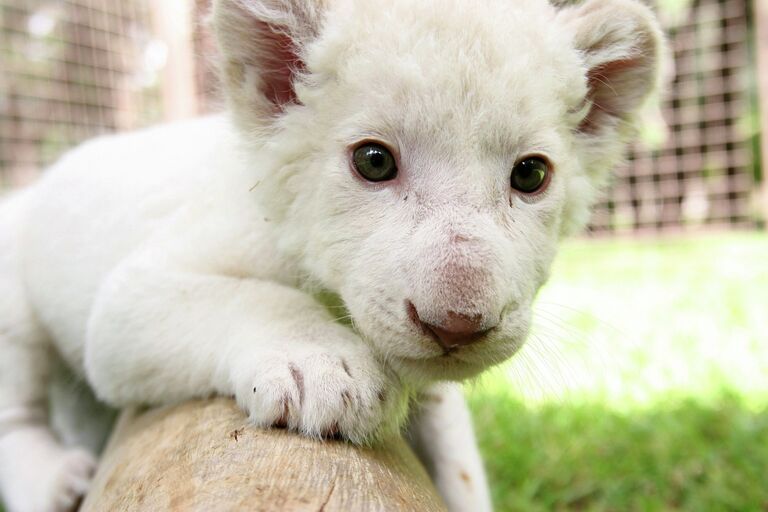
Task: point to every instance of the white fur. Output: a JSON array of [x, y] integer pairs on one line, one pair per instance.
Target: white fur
[[217, 256], [441, 432]]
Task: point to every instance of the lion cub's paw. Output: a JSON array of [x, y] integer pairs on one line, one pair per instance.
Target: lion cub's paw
[[321, 394]]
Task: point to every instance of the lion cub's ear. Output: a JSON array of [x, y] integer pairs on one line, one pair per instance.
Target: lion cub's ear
[[622, 47], [261, 44]]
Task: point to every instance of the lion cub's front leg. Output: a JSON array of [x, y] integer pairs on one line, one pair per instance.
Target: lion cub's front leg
[[442, 435], [159, 336]]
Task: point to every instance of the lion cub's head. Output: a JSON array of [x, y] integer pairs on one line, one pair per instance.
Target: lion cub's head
[[423, 158]]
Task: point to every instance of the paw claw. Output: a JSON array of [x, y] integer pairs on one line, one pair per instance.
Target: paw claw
[[333, 432], [346, 397], [282, 421], [345, 366], [298, 378]]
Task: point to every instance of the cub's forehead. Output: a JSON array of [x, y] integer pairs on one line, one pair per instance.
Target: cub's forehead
[[450, 61]]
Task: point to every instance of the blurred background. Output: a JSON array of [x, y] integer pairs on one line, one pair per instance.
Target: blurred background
[[645, 383]]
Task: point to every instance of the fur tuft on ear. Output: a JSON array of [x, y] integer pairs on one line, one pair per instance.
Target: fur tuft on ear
[[261, 44], [621, 43]]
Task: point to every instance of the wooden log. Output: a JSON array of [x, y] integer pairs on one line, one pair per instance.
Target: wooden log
[[203, 456]]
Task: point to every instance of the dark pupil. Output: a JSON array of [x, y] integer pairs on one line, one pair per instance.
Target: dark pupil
[[526, 173], [376, 158], [529, 175]]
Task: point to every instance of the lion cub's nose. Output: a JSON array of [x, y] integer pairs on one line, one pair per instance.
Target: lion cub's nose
[[456, 329]]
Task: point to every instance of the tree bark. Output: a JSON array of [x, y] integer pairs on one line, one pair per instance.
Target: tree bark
[[203, 456]]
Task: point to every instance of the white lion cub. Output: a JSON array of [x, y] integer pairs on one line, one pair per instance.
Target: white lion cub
[[409, 165]]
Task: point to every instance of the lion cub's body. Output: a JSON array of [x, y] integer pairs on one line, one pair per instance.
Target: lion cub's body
[[188, 260]]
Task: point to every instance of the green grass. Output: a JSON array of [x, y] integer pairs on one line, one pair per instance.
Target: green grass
[[644, 385]]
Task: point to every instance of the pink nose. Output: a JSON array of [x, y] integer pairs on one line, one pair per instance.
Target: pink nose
[[456, 330]]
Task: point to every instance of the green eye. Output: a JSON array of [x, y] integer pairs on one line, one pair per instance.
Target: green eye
[[374, 162], [530, 175]]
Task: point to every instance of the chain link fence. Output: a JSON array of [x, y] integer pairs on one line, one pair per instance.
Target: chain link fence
[[71, 70], [706, 172]]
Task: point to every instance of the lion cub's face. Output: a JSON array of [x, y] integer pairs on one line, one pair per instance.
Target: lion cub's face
[[429, 155]]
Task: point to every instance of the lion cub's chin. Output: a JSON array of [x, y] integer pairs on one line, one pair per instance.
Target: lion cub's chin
[[456, 365]]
